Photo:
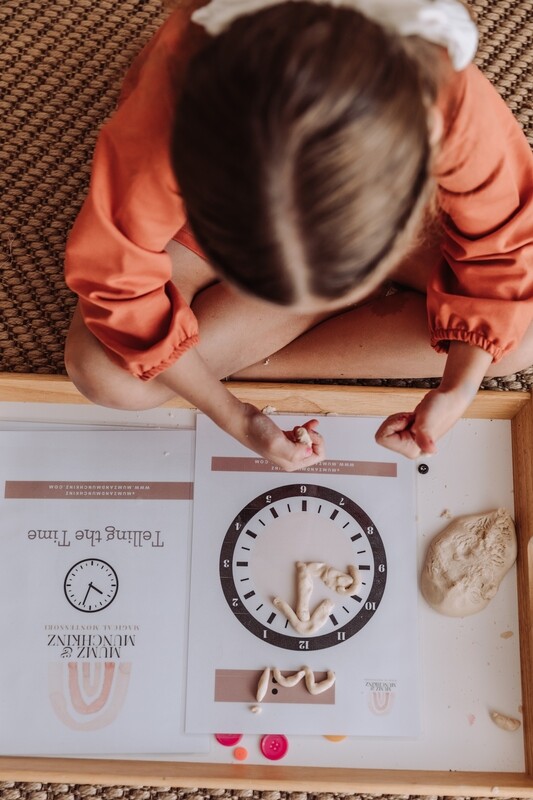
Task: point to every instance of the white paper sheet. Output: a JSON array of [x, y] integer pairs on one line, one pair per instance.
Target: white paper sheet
[[252, 523], [94, 568]]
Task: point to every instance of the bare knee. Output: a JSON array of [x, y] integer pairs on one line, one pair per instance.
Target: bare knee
[[101, 381]]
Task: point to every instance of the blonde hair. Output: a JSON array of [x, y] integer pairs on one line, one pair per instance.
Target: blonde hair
[[302, 149]]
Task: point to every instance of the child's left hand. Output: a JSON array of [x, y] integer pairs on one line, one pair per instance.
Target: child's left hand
[[417, 432]]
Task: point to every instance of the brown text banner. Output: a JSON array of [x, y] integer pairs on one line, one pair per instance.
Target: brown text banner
[[375, 469], [98, 490]]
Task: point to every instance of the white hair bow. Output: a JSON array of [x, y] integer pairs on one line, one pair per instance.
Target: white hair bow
[[444, 22]]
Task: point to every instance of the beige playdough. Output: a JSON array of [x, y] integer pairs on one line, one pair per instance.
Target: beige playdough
[[467, 561]]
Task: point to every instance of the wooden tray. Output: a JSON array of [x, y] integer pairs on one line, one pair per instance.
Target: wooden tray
[[320, 399]]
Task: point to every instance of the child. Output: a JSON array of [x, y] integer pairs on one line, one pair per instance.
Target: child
[[337, 161]]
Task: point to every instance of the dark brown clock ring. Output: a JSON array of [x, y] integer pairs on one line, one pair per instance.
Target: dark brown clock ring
[[257, 613]]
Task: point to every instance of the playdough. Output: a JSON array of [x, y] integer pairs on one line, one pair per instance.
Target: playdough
[[302, 620], [467, 561], [292, 680], [504, 722], [302, 435]]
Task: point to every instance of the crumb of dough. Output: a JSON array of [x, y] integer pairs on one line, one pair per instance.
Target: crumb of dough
[[467, 561], [504, 722], [302, 436], [506, 635], [268, 410], [446, 514], [256, 709]]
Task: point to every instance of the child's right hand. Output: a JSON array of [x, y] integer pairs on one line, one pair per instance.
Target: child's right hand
[[261, 434], [191, 378]]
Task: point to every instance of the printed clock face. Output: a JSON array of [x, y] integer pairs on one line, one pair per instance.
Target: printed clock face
[[290, 544], [91, 585]]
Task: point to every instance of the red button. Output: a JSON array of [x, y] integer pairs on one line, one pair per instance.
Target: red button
[[274, 746], [228, 739]]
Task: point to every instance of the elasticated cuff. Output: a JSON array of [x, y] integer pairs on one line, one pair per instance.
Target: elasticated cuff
[[172, 358], [441, 338]]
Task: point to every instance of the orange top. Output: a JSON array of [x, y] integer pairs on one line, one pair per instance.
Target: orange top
[[480, 292]]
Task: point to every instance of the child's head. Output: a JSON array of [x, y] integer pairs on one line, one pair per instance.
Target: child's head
[[302, 149]]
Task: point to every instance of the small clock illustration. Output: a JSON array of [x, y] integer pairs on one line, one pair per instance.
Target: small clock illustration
[[91, 585], [278, 558]]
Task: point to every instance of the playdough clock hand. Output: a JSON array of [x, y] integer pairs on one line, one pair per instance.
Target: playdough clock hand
[[313, 622]]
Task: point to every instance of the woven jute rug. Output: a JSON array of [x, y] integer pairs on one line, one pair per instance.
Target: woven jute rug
[[65, 791], [61, 66]]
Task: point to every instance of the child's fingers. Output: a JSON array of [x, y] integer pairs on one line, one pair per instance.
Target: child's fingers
[[308, 435], [394, 424], [301, 434]]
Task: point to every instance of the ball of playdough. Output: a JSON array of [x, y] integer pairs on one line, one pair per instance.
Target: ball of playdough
[[467, 561]]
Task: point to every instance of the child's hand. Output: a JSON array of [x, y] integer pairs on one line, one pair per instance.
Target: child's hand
[[282, 447], [416, 433]]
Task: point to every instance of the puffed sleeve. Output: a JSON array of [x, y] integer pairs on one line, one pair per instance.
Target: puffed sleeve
[[481, 292], [115, 257]]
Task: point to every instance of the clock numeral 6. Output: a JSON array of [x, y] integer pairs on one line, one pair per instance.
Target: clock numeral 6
[[225, 563], [303, 489], [381, 568], [303, 644]]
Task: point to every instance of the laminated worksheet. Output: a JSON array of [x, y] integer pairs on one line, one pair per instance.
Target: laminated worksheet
[[304, 589], [94, 581]]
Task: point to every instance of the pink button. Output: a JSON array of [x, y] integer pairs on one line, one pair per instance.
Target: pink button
[[274, 746], [228, 739]]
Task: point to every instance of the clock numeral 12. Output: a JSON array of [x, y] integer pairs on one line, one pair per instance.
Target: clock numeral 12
[[303, 644]]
